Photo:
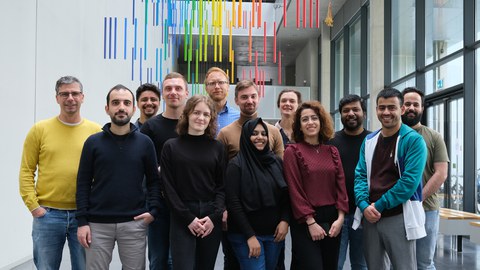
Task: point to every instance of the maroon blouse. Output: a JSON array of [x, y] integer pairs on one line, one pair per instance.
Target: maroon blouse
[[314, 175]]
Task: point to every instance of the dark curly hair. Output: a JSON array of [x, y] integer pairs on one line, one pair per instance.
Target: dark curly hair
[[182, 126], [326, 123]]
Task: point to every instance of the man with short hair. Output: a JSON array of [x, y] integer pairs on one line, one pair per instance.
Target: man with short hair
[[148, 102], [110, 196], [53, 147], [216, 85], [160, 128], [435, 173], [388, 188], [348, 141], [247, 99]]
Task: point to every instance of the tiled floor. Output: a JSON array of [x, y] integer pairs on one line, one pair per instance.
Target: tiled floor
[[445, 258]]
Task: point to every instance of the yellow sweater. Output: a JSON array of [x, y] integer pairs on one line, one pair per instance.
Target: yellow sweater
[[53, 148]]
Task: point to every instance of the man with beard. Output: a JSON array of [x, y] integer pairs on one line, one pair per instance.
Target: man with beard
[[435, 173], [388, 189], [148, 100], [216, 85], [160, 128], [110, 197], [348, 142]]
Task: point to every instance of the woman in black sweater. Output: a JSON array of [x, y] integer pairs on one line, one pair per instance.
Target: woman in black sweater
[[192, 169], [257, 200]]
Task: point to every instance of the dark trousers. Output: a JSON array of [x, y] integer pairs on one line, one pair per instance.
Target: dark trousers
[[315, 255], [188, 251], [230, 261]]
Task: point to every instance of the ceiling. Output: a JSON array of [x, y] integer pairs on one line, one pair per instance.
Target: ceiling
[[290, 40]]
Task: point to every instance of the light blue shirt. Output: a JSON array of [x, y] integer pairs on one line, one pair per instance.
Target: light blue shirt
[[227, 116]]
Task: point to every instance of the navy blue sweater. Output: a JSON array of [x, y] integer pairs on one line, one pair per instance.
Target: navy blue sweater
[[110, 176]]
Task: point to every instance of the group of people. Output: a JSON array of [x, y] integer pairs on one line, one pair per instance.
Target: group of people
[[202, 173]]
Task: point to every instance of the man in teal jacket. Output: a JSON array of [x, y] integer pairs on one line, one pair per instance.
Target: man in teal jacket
[[388, 190]]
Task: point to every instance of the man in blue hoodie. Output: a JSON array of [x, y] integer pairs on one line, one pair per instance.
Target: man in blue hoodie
[[388, 190]]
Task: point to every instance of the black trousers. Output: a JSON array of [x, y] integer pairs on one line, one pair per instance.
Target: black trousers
[[185, 246], [315, 255]]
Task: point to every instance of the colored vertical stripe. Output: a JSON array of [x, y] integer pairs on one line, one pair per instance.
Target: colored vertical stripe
[[104, 37], [135, 39], [298, 14], [140, 67], [115, 40], [156, 64], [264, 41], [304, 13], [125, 39], [133, 11], [274, 42], [133, 64], [145, 33], [259, 12], [110, 38], [285, 13]]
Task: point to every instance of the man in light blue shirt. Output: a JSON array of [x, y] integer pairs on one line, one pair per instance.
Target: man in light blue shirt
[[217, 84]]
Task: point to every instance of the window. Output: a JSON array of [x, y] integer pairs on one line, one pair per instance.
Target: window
[[443, 28], [354, 66], [403, 38], [339, 68], [444, 76]]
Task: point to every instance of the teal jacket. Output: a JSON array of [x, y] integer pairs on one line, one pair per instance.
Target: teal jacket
[[411, 156], [410, 159]]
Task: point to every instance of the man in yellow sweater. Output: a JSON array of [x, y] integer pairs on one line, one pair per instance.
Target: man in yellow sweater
[[48, 175]]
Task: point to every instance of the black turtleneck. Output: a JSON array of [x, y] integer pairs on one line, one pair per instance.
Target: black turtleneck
[[192, 169]]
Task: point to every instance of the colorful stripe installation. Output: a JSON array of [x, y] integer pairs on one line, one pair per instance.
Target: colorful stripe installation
[[198, 28]]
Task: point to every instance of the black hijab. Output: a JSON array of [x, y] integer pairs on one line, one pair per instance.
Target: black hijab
[[261, 180]]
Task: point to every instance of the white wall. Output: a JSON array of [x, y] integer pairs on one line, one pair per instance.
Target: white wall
[[42, 41], [306, 67]]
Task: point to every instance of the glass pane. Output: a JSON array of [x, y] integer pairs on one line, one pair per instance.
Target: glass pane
[[443, 28], [369, 112], [337, 121], [455, 146], [444, 76], [436, 121], [354, 66], [477, 20], [405, 84], [339, 56], [403, 38], [477, 125]]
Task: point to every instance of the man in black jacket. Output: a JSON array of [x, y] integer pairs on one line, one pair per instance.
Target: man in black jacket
[[110, 197]]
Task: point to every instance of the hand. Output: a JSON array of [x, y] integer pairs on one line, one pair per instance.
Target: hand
[[38, 212], [316, 232], [147, 218], [336, 227], [281, 231], [208, 225], [84, 236], [253, 247], [371, 214], [224, 220], [196, 227]]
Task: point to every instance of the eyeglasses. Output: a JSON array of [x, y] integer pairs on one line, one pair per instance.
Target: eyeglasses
[[215, 83], [65, 95]]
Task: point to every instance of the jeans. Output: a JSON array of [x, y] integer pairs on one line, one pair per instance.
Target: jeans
[[49, 233], [426, 246], [355, 239], [159, 240], [270, 251]]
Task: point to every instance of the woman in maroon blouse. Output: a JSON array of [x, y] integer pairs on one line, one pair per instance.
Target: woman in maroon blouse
[[317, 190]]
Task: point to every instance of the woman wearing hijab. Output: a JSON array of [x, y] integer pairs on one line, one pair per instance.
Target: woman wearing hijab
[[257, 200]]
